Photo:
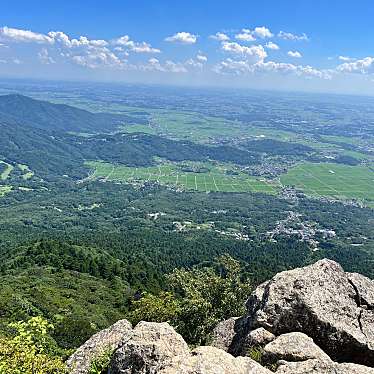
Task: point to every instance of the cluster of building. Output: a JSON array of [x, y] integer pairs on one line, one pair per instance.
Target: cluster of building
[[306, 231]]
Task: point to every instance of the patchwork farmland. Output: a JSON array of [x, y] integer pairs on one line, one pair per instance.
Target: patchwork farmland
[[171, 175]]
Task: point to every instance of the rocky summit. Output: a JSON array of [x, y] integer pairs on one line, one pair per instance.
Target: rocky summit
[[316, 319]]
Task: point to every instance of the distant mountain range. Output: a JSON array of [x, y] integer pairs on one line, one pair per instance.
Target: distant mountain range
[[40, 135], [19, 109]]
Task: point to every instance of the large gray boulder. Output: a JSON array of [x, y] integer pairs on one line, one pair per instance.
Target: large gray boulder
[[322, 367], [294, 346], [104, 341], [211, 360], [151, 348], [334, 308]]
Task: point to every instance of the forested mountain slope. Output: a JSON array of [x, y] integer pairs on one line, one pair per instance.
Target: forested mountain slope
[[45, 115]]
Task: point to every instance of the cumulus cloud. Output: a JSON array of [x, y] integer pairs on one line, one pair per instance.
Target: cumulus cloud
[[245, 35], [90, 53], [273, 46], [346, 59], [363, 66], [182, 37], [294, 54], [45, 58], [262, 32], [169, 66], [136, 47], [202, 58], [289, 36], [58, 47], [98, 58], [248, 35], [254, 53], [220, 36], [16, 35], [235, 67]]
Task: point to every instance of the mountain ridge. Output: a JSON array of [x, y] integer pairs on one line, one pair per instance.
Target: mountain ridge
[[20, 109]]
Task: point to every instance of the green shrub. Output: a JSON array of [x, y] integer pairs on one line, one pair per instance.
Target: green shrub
[[31, 350], [201, 298], [101, 364]]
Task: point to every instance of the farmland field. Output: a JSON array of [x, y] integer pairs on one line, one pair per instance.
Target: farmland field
[[333, 180], [4, 190], [6, 170], [169, 174], [323, 179]]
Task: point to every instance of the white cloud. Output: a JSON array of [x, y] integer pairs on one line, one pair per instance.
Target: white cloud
[[26, 36], [273, 46], [202, 58], [98, 57], [17, 61], [262, 32], [123, 40], [346, 59], [245, 35], [248, 35], [136, 47], [242, 67], [144, 48], [169, 66], [255, 53], [363, 66], [220, 36], [45, 58], [294, 54], [289, 36], [173, 67], [182, 37]]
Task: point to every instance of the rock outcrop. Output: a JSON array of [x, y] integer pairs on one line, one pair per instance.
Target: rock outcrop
[[317, 319], [106, 340], [322, 367], [211, 360], [294, 346], [150, 349], [334, 308]]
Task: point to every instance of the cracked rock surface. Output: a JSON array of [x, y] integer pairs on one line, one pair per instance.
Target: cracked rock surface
[[334, 308]]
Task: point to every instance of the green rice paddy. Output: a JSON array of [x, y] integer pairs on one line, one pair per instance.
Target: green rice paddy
[[333, 180], [322, 179], [172, 175]]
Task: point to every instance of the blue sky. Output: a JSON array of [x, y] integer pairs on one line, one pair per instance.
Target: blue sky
[[292, 45]]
